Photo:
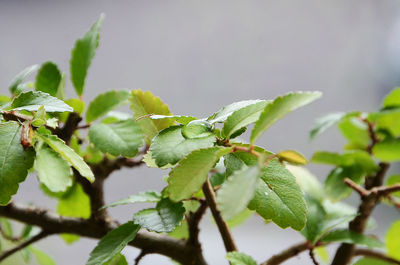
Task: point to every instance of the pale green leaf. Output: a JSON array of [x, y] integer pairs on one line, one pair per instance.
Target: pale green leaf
[[122, 138], [75, 203], [238, 258], [181, 231], [178, 118], [14, 86], [393, 240], [151, 162], [355, 131], [243, 117], [279, 198], [41, 257], [351, 237], [335, 187], [146, 196], [192, 171], [169, 146], [323, 123], [393, 180], [113, 243], [82, 55], [315, 217], [307, 181], [237, 191], [164, 218], [48, 79], [392, 99], [33, 100], [68, 154], [292, 157], [280, 107], [145, 103], [15, 161], [240, 218], [387, 151], [104, 103], [53, 171], [225, 112], [387, 120]]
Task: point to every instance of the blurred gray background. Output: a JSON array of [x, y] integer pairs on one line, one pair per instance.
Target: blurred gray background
[[200, 55]]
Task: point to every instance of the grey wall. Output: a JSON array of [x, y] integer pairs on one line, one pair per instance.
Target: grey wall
[[200, 55]]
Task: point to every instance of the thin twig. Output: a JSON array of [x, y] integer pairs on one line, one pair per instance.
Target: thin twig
[[140, 256], [7, 237], [24, 244], [374, 254], [287, 254], [222, 225], [360, 190]]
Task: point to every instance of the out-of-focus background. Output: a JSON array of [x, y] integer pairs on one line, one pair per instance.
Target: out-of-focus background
[[200, 55]]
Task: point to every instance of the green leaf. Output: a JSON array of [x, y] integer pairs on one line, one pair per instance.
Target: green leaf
[[387, 120], [53, 171], [145, 103], [387, 151], [48, 78], [316, 215], [279, 108], [118, 259], [335, 188], [178, 118], [82, 55], [292, 157], [238, 258], [68, 154], [122, 138], [393, 180], [113, 243], [392, 99], [197, 129], [33, 100], [223, 114], [237, 191], [239, 219], [323, 123], [279, 198], [14, 86], [192, 171], [104, 103], [41, 257], [4, 100], [349, 158], [146, 196], [76, 203], [393, 240], [181, 231], [243, 117], [164, 218], [169, 146], [7, 227], [371, 261], [15, 160], [355, 131], [151, 162], [351, 237], [307, 181]]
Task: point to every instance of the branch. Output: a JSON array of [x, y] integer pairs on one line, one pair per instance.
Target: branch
[[360, 190], [345, 253], [287, 254], [312, 257], [222, 226], [150, 242], [193, 223], [374, 254], [23, 245]]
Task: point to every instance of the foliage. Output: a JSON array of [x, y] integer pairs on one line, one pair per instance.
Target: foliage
[[40, 133]]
